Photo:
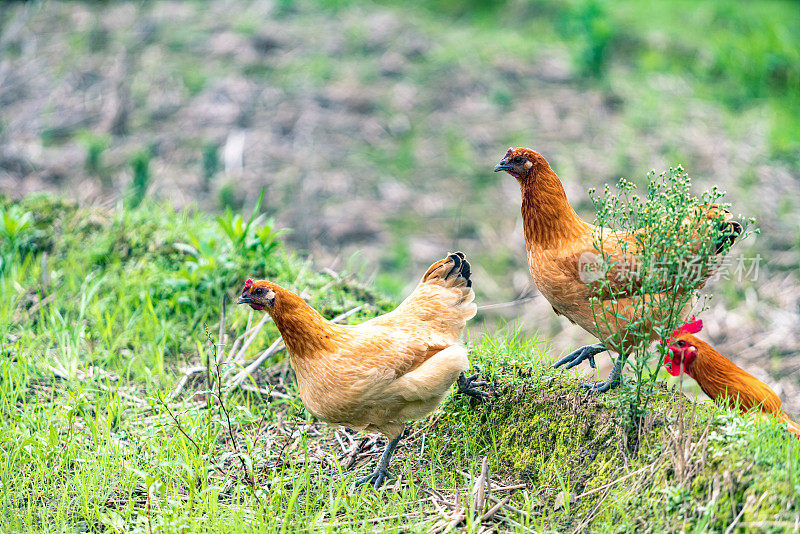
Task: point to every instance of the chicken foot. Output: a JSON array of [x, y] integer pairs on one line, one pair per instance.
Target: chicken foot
[[468, 386], [613, 379], [584, 353], [381, 473]]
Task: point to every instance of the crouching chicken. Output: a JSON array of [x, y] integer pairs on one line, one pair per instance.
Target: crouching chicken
[[718, 377], [378, 375]]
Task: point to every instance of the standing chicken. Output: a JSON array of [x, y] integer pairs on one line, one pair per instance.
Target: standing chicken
[[718, 377], [557, 241], [384, 372]]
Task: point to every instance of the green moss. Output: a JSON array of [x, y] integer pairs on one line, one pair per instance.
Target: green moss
[[545, 431], [543, 428]]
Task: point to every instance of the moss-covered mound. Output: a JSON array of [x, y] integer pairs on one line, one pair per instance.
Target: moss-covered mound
[[554, 427], [685, 467]]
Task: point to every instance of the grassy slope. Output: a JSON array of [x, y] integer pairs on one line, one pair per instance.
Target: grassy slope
[[693, 469], [123, 308]]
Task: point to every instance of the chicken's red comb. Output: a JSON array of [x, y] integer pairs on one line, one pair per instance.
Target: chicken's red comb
[[508, 153], [248, 283], [691, 327]]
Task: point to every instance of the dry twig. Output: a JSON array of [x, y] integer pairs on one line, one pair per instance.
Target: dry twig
[[482, 487]]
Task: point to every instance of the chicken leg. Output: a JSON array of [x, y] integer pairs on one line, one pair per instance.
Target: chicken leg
[[468, 386], [584, 353], [381, 473]]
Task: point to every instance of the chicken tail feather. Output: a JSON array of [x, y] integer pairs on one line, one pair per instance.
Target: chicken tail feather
[[452, 271], [445, 297], [729, 233]]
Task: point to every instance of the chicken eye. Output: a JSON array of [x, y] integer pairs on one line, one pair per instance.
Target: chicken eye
[[517, 160], [259, 290], [681, 343]]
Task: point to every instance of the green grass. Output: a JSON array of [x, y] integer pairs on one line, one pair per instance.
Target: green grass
[[695, 466], [129, 298]]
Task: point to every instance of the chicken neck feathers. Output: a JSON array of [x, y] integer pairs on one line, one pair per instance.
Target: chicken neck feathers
[[719, 377]]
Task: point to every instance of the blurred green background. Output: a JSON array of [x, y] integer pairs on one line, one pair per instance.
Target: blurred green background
[[373, 128]]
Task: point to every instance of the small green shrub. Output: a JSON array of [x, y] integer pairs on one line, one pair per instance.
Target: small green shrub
[[211, 262], [229, 197], [16, 228], [194, 79], [211, 163], [594, 32], [648, 271]]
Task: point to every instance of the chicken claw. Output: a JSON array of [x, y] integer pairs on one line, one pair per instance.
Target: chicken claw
[[468, 386], [613, 379], [601, 387], [584, 353], [381, 473], [376, 478]]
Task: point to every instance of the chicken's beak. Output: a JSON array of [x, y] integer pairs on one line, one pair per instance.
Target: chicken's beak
[[244, 300], [502, 166]]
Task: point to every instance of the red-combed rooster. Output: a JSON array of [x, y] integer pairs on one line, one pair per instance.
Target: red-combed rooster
[[718, 377], [384, 372]]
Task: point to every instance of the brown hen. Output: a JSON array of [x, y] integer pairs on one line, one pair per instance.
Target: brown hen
[[380, 374], [558, 244]]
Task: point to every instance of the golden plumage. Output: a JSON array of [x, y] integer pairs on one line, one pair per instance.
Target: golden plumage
[[722, 380], [558, 243], [379, 374]]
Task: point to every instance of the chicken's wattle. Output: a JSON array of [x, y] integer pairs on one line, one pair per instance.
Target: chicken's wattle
[[673, 367]]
